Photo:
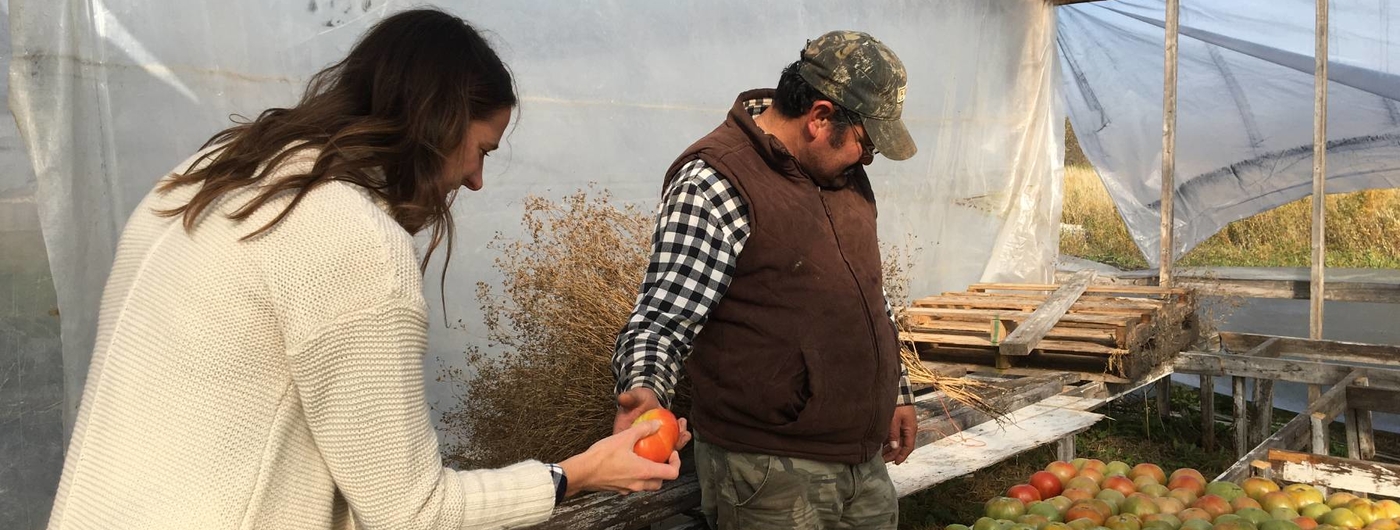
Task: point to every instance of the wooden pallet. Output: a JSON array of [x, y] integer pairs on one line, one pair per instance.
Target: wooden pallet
[[1120, 330]]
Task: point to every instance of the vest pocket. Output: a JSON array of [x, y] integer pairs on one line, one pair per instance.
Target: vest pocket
[[763, 388], [791, 389]]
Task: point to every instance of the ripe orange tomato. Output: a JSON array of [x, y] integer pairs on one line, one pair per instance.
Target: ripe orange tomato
[[659, 445]]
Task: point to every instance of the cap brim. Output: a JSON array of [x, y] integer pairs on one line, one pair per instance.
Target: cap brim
[[891, 138]]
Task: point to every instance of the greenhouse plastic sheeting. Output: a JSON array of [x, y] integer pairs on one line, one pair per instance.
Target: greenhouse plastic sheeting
[[111, 94], [31, 366], [1244, 133]]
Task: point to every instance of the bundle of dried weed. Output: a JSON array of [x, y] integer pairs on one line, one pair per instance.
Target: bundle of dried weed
[[898, 261], [570, 282]]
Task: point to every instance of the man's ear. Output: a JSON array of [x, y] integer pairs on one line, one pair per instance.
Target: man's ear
[[819, 117]]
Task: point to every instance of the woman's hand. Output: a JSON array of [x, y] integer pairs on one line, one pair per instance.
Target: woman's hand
[[610, 464]]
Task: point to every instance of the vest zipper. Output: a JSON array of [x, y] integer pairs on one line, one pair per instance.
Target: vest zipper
[[870, 325]]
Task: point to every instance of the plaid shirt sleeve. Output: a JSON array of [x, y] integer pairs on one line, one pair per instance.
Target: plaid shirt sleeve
[[906, 390], [701, 226]]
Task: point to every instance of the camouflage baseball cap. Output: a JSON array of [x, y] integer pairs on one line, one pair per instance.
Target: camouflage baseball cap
[[864, 76]]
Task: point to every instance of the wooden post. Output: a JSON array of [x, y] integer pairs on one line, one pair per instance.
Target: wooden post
[[1208, 412], [1361, 443], [1164, 395], [1262, 469], [1319, 433], [1064, 449], [1353, 441], [1263, 392], [1241, 418], [1367, 435], [1168, 242], [1264, 405], [1319, 202], [1295, 432]]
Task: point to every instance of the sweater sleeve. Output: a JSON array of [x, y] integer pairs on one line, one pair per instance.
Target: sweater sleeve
[[360, 379]]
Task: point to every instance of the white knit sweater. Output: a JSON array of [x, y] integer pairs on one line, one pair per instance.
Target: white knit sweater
[[271, 383]]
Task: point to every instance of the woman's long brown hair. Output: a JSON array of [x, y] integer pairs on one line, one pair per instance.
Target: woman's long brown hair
[[400, 102]]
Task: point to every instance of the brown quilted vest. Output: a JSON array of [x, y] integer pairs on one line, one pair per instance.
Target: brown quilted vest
[[799, 357]]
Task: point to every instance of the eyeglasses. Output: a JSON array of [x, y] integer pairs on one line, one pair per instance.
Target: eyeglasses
[[867, 147]]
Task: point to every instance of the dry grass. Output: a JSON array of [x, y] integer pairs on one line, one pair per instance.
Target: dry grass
[[1361, 231], [569, 285]]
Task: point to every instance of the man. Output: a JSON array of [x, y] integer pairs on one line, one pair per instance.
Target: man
[[765, 280]]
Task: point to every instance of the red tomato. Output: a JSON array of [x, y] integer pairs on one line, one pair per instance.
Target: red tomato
[[1024, 492], [659, 446], [1046, 483]]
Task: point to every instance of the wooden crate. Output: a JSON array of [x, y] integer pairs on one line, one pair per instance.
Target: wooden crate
[[1121, 331]]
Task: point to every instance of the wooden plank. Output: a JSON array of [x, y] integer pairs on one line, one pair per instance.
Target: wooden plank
[[940, 416], [1060, 346], [1297, 431], [1167, 242], [1026, 372], [1353, 285], [610, 510], [1093, 390], [1109, 306], [1207, 390], [986, 315], [1292, 370], [1084, 301], [1374, 399], [1066, 401], [1338, 473], [1140, 382], [987, 444], [1271, 348], [1105, 336], [1319, 199], [1329, 350], [1090, 290]]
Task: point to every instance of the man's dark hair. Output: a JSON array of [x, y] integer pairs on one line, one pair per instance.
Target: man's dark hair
[[795, 97]]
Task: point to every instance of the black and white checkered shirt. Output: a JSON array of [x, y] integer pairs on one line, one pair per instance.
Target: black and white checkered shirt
[[701, 226]]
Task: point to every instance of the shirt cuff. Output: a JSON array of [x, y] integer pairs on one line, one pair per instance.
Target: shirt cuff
[[561, 482], [663, 396]]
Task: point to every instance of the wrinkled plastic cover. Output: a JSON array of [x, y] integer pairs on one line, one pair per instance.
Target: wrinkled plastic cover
[[111, 94], [1244, 137]]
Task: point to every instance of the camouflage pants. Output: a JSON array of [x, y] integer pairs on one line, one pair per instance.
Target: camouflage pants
[[752, 491]]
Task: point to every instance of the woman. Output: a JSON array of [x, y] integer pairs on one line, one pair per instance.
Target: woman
[[259, 353]]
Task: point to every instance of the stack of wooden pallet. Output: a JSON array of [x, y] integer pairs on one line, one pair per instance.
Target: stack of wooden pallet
[[1113, 332]]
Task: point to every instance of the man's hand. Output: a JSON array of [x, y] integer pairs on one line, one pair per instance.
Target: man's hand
[[631, 404], [904, 427]]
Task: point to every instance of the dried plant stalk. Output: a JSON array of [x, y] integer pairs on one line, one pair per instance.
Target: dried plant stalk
[[569, 284], [898, 262]]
